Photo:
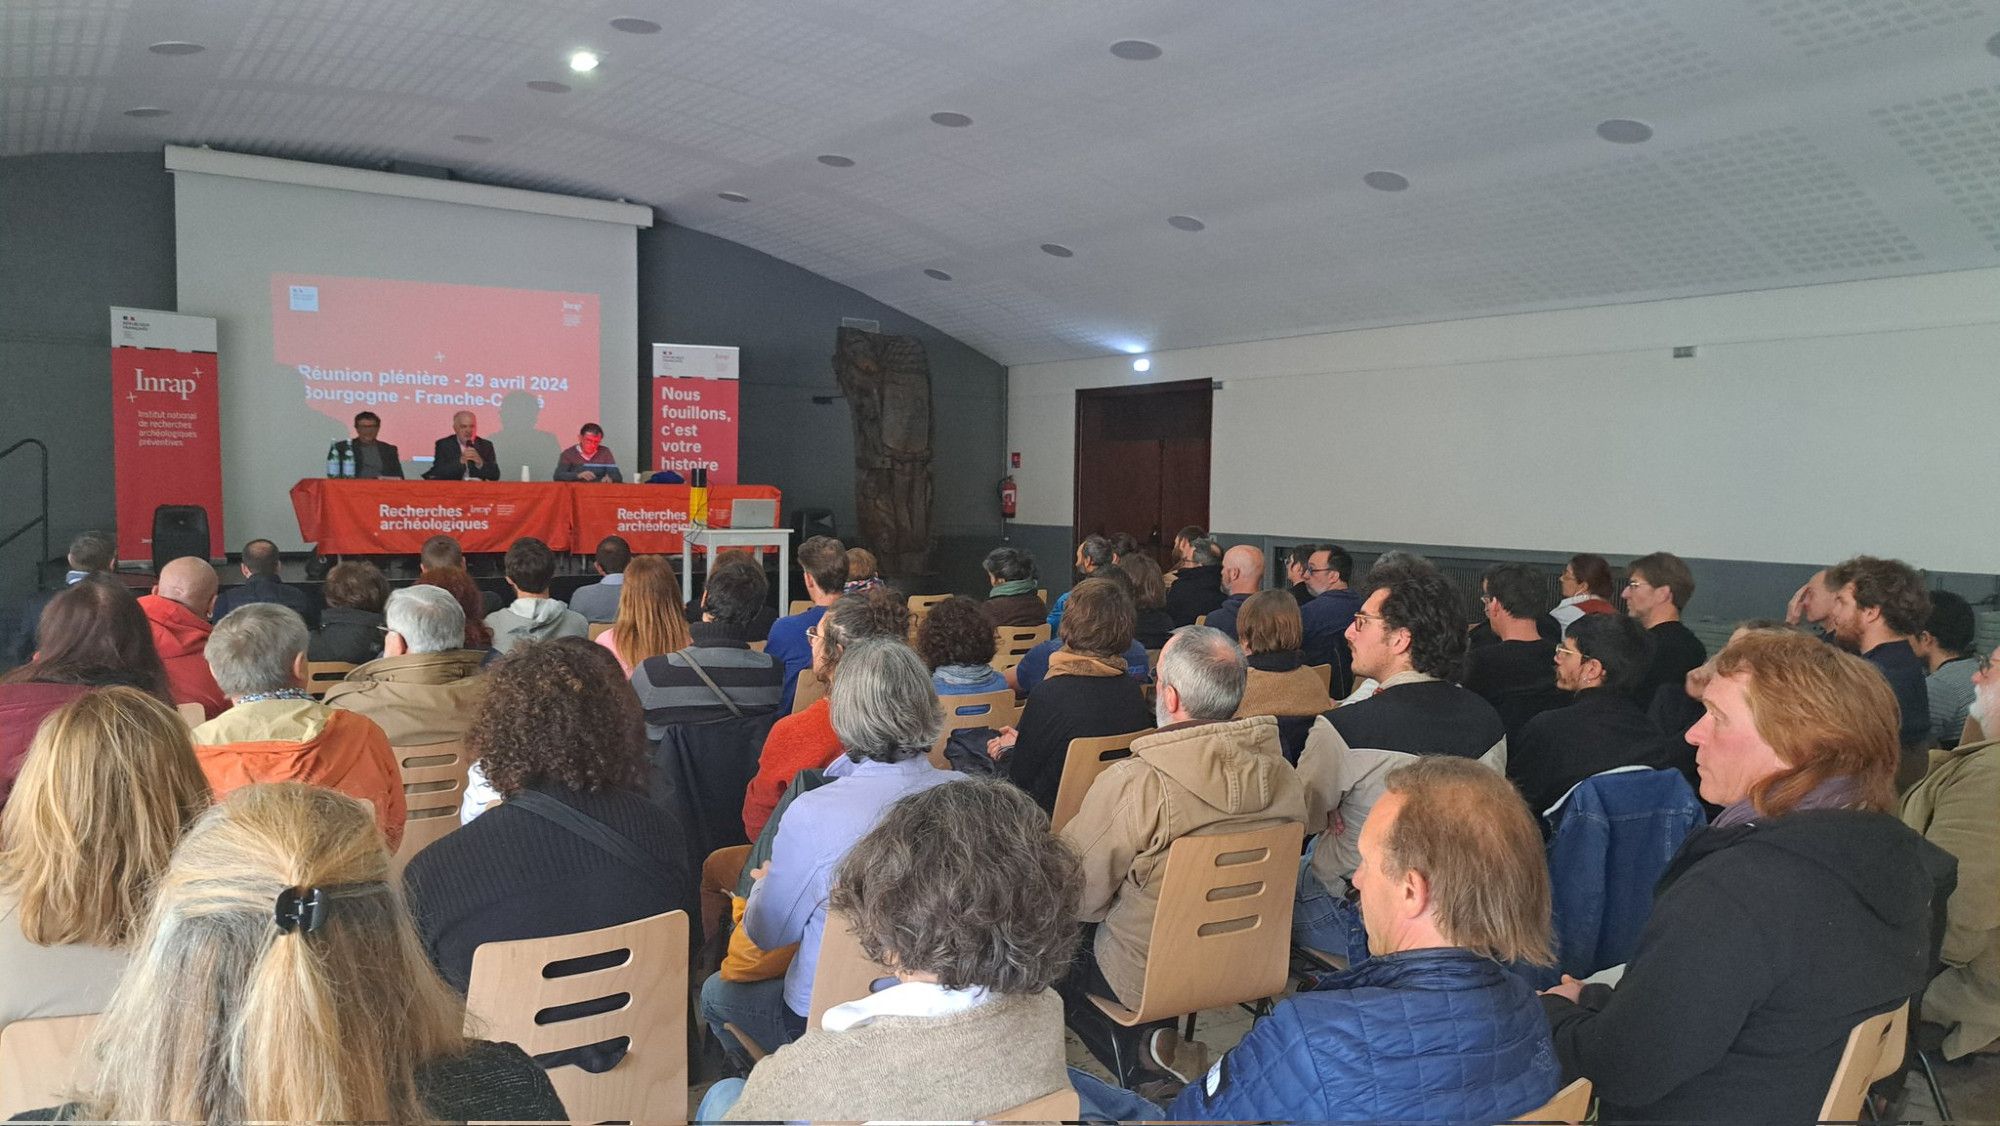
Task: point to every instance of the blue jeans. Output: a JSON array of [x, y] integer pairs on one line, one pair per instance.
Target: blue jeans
[[756, 1007], [1325, 921], [1099, 1101], [719, 1099]]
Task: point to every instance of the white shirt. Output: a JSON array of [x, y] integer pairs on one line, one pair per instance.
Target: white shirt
[[904, 999]]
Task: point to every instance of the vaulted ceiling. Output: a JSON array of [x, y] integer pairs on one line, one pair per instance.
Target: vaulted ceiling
[[1346, 162]]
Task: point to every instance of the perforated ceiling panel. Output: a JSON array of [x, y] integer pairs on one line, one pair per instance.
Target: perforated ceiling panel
[[1791, 141]]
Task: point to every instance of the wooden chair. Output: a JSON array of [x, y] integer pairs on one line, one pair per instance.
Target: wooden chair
[[1011, 643], [808, 691], [920, 604], [843, 973], [37, 1058], [1570, 1105], [1874, 1051], [799, 606], [192, 714], [599, 629], [434, 780], [758, 646], [512, 991], [1082, 763], [1222, 934], [1042, 593], [322, 675], [1056, 1106], [1325, 674], [985, 709]]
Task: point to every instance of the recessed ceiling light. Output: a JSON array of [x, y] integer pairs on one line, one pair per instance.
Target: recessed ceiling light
[[1137, 50], [176, 47], [733, 197], [147, 111], [544, 86], [635, 26], [951, 120], [1058, 249], [1386, 181], [1142, 364], [1621, 131], [1185, 223], [1993, 44], [833, 160], [472, 138], [938, 275], [583, 62]]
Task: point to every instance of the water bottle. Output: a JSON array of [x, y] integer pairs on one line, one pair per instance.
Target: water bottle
[[336, 465]]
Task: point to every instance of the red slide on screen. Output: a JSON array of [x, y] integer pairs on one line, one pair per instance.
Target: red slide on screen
[[417, 352]]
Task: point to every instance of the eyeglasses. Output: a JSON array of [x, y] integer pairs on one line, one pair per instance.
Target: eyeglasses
[[1361, 619], [812, 633], [1566, 651], [1985, 664]]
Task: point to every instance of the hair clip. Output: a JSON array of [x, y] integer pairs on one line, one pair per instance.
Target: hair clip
[[301, 909]]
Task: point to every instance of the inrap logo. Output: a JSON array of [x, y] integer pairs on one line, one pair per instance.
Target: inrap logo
[[143, 382]]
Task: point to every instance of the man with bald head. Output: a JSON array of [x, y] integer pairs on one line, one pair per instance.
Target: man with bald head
[[1242, 576], [178, 610], [463, 454]]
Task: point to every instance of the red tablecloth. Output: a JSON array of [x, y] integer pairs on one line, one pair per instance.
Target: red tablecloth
[[391, 517]]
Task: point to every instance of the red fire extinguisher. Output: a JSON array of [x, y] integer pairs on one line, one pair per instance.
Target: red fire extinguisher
[[1010, 498]]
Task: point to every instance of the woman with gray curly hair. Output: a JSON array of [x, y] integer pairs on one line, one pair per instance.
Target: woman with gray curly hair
[[965, 893]]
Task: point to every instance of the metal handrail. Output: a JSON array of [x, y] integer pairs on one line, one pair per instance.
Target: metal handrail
[[43, 519]]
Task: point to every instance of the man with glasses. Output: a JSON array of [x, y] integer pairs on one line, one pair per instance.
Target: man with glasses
[[1409, 636], [1325, 618], [1601, 659], [1657, 589]]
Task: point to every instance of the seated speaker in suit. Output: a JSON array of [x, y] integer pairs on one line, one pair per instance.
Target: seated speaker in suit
[[364, 456], [463, 454]]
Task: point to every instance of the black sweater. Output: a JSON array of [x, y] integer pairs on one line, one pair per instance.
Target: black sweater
[[1431, 717], [1195, 592], [1517, 677], [1676, 653], [346, 634], [514, 874], [1768, 943], [1603, 730], [1062, 708]]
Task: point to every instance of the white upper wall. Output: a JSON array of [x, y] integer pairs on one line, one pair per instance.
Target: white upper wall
[[1813, 423]]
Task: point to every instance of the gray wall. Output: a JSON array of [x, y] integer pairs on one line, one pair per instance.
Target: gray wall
[[80, 233]]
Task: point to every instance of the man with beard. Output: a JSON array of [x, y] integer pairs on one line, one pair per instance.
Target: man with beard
[[1878, 605]]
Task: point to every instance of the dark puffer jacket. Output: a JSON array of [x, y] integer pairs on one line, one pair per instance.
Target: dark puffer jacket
[[1439, 1035]]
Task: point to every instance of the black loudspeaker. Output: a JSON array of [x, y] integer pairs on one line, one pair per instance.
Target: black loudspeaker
[[179, 529], [810, 522]]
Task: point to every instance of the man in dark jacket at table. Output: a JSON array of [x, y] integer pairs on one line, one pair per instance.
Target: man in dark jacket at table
[[463, 454]]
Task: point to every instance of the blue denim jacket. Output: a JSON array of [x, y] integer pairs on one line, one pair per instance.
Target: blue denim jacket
[[1615, 833]]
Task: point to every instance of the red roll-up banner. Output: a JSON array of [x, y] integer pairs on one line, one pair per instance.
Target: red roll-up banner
[[166, 448], [695, 409]]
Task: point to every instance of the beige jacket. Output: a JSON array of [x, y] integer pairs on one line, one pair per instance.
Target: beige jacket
[[1957, 808], [417, 698], [1190, 778]]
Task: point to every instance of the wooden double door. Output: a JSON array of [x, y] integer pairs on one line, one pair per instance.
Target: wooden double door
[[1142, 457]]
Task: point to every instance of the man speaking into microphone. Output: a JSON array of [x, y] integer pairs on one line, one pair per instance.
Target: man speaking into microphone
[[463, 454]]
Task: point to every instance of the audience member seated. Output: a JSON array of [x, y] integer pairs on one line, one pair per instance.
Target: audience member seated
[[533, 615], [1086, 694], [1202, 772], [863, 573], [1409, 637], [759, 628], [443, 552], [455, 582], [560, 737], [1149, 598], [1242, 576], [1092, 555], [955, 640], [670, 688], [1298, 564], [1279, 683], [109, 786], [1011, 598], [1184, 550], [177, 611], [648, 620], [350, 628], [1432, 1027], [1802, 909], [1601, 659], [1326, 617], [1953, 807], [886, 716], [1878, 606], [823, 562], [1516, 674], [274, 732], [91, 555], [426, 686], [1034, 664], [93, 635], [298, 990], [1586, 588], [260, 561], [1197, 585], [805, 740], [963, 891], [1811, 606], [1945, 648], [598, 601], [1657, 589]]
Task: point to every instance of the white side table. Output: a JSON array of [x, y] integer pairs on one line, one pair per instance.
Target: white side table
[[715, 538]]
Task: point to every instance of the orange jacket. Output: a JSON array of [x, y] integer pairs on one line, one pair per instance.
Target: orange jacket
[[797, 742], [304, 741]]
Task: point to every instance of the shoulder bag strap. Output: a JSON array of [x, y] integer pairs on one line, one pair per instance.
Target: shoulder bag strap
[[734, 708], [589, 828]]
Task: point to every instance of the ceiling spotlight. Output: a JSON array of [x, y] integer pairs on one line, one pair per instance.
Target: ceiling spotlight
[[834, 160], [583, 62], [1136, 50], [1058, 250], [472, 138], [175, 47], [634, 25], [1142, 364], [1185, 223], [733, 197], [950, 120], [1386, 181], [147, 111], [1621, 131], [544, 86], [937, 275]]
